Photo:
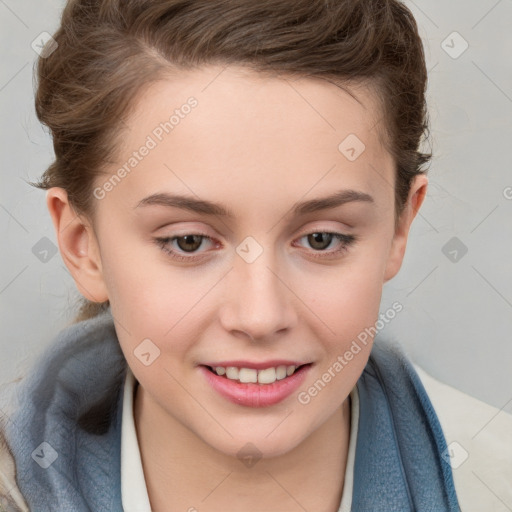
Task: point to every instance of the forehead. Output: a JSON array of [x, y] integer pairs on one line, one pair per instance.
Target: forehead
[[228, 129]]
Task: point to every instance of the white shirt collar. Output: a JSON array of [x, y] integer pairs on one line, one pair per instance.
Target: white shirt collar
[[134, 492], [133, 484]]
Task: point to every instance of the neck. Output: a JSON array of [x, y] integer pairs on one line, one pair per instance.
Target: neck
[[182, 470]]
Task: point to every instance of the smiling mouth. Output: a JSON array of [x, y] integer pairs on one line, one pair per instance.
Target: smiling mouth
[[251, 375]]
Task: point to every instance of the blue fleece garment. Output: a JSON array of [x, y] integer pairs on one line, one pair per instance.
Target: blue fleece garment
[[73, 401]]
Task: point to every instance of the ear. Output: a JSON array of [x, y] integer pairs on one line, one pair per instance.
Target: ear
[[78, 246], [414, 201]]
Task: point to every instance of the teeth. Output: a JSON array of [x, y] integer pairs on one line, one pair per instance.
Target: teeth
[[250, 375], [232, 372], [281, 372], [247, 375], [267, 376]]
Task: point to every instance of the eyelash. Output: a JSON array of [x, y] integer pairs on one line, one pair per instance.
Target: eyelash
[[345, 240]]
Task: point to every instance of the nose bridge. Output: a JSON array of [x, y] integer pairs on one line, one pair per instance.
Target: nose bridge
[[258, 302]]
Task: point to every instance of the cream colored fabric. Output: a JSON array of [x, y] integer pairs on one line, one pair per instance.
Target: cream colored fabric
[[479, 437], [11, 499]]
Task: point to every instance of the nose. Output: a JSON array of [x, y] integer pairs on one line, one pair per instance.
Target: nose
[[259, 303]]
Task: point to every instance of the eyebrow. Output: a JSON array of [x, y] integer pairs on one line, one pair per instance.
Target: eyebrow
[[209, 208]]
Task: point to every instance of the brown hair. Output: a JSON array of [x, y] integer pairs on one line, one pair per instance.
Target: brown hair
[[109, 49]]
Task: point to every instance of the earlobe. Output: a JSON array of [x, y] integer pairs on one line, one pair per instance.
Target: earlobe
[[78, 246], [415, 199]]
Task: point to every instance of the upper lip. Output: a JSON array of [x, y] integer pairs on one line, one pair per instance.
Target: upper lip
[[256, 366]]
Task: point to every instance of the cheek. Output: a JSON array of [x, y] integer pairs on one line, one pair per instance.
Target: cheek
[[152, 300], [346, 298], [347, 302]]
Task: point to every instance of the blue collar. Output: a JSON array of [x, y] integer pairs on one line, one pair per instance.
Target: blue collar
[[66, 435], [399, 464]]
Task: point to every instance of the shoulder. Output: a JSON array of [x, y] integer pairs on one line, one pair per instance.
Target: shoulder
[[479, 438], [11, 499], [71, 398]]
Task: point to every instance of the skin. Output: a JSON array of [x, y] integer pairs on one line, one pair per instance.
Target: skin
[[258, 145]]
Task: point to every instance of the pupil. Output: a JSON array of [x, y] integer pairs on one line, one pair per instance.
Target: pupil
[[192, 242], [320, 241]]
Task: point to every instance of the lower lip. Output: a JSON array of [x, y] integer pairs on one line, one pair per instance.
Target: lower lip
[[256, 395]]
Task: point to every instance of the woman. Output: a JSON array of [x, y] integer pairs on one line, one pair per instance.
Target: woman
[[234, 183]]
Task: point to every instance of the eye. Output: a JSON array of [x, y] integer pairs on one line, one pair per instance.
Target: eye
[[189, 243], [320, 241], [187, 247]]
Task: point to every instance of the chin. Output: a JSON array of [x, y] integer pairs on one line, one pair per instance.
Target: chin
[[257, 445]]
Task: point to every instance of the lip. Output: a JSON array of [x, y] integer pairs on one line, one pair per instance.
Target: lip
[[255, 395]]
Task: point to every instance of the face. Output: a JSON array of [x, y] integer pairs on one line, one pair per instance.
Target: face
[[254, 231]]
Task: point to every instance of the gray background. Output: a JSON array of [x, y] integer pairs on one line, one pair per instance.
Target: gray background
[[457, 315]]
